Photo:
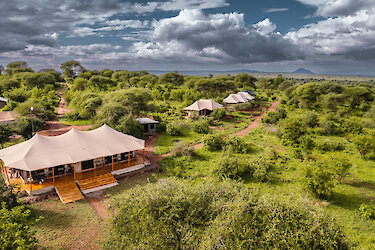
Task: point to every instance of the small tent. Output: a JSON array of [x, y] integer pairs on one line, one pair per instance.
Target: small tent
[[234, 99], [203, 106], [149, 125]]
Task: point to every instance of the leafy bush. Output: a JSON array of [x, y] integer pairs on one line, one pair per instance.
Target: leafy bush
[[194, 116], [214, 142], [238, 144], [322, 176], [219, 114], [292, 132], [366, 146], [174, 129], [329, 145], [201, 127], [171, 214], [183, 150], [128, 125], [274, 117], [367, 211]]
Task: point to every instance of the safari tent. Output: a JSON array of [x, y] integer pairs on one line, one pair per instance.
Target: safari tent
[[149, 125], [203, 107], [89, 159]]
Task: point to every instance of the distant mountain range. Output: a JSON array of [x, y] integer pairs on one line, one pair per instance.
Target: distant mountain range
[[216, 72], [303, 71]]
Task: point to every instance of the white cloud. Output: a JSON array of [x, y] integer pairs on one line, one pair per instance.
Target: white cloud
[[273, 10], [219, 38], [350, 32]]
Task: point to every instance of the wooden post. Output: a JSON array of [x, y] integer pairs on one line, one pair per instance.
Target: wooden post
[[53, 175], [74, 169], [128, 159], [102, 161], [144, 156], [6, 174], [93, 162], [31, 185], [112, 162]]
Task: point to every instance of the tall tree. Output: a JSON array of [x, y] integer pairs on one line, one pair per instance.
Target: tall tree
[[1, 69], [72, 68]]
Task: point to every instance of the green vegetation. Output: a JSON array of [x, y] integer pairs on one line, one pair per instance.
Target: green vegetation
[[309, 162]]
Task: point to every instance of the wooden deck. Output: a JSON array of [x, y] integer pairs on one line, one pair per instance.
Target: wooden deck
[[67, 190], [97, 181], [66, 187]]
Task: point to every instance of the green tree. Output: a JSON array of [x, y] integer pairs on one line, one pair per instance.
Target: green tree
[[5, 132], [172, 78], [245, 81], [130, 126], [71, 69]]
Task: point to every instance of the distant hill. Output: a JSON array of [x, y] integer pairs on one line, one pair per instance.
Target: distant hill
[[303, 71]]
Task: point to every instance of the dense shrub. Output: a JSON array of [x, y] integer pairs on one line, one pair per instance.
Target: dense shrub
[[229, 166], [214, 142], [329, 145], [176, 215], [367, 211], [274, 117], [320, 179], [238, 144], [182, 150], [366, 146], [219, 114], [174, 129], [202, 126], [292, 132], [128, 125]]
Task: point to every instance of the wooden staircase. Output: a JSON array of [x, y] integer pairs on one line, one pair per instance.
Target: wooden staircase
[[68, 191], [101, 180]]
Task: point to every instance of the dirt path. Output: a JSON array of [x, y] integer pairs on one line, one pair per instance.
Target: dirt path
[[56, 127], [95, 200], [258, 119], [256, 123]]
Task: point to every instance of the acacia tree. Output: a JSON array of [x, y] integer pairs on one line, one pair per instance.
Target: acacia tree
[[71, 69]]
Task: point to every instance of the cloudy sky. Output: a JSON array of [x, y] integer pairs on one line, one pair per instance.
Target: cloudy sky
[[325, 36]]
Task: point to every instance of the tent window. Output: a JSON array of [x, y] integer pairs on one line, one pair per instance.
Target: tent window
[[87, 164], [152, 126], [107, 160]]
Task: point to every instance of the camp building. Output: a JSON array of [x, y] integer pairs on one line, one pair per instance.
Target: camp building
[[149, 125], [203, 107], [74, 163]]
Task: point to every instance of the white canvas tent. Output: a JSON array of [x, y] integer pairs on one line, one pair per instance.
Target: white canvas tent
[[41, 152], [246, 96], [204, 106], [234, 99]]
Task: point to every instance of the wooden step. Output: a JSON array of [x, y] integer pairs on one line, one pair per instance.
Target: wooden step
[[97, 181], [68, 191]]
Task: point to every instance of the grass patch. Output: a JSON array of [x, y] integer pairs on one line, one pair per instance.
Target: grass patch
[[76, 122], [67, 226]]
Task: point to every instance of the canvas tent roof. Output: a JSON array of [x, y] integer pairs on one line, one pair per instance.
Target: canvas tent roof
[[42, 152], [7, 117], [246, 95], [204, 104], [234, 99], [146, 121]]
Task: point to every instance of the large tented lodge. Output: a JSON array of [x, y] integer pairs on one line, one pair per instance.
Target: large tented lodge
[[87, 158], [203, 107]]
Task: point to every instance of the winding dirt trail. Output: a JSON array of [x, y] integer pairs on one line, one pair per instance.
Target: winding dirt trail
[[56, 127], [253, 125]]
